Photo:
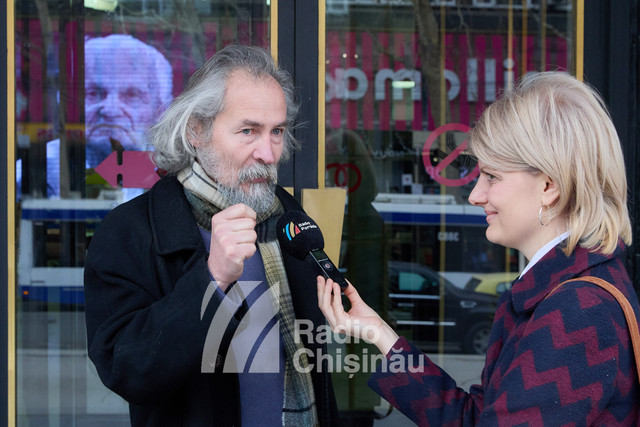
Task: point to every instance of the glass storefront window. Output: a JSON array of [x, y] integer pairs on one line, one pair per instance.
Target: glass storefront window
[[90, 78], [404, 82], [405, 79]]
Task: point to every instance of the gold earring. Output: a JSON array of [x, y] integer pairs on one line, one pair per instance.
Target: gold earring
[[540, 215]]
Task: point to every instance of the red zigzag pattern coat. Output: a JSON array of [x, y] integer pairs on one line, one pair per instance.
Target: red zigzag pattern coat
[[562, 361]]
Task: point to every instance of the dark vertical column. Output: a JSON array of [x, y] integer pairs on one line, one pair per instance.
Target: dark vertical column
[[298, 53], [4, 242], [611, 65]]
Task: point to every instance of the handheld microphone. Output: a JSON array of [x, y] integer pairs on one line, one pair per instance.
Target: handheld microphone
[[301, 237]]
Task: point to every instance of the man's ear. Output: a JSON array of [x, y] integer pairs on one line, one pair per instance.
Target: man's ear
[[550, 192], [194, 132]]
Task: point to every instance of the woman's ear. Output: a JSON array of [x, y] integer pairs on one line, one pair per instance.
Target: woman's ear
[[550, 192]]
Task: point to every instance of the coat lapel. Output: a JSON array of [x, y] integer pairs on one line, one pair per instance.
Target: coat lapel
[[172, 223]]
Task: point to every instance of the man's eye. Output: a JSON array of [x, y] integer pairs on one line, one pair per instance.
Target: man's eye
[[247, 131], [132, 95], [94, 95], [278, 131]]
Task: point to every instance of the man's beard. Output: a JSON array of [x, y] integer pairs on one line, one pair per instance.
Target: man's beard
[[258, 197]]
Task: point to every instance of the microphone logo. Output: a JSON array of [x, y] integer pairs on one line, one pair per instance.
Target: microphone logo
[[292, 229], [301, 238]]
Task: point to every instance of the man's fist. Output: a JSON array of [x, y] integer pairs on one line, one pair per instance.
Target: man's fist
[[233, 239]]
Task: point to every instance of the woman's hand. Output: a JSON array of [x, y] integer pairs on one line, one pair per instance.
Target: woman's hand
[[360, 321]]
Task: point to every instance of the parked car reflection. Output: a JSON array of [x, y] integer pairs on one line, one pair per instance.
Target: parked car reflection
[[422, 303], [491, 283]]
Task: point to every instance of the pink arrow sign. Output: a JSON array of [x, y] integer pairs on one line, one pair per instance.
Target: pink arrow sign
[[137, 169]]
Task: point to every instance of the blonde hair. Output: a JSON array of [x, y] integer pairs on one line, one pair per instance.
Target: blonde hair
[[554, 124]]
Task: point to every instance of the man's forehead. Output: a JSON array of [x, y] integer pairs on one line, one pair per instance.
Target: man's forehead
[[108, 59], [120, 80], [272, 121], [245, 77], [242, 85], [120, 70]]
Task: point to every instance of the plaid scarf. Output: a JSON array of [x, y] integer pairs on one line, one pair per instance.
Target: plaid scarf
[[299, 407]]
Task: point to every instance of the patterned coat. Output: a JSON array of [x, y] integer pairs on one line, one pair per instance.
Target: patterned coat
[[562, 361]]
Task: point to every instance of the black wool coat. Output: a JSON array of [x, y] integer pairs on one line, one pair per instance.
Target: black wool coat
[[145, 277]]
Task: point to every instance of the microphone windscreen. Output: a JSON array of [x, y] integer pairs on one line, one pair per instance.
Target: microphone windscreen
[[298, 234]]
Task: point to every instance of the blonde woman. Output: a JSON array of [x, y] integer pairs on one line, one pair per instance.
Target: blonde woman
[[552, 184]]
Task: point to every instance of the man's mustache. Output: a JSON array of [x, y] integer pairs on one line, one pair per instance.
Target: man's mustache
[[257, 171], [100, 127]]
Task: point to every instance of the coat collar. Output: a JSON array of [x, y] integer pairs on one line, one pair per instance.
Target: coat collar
[[552, 269], [172, 223]]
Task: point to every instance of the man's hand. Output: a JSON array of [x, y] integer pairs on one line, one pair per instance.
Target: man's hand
[[233, 239]]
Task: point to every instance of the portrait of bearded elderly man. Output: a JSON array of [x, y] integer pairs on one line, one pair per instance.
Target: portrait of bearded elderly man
[[128, 83], [181, 281]]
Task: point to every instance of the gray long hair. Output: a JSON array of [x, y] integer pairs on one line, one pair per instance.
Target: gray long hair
[[203, 99]]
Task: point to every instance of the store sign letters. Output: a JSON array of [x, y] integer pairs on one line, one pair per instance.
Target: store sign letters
[[351, 84]]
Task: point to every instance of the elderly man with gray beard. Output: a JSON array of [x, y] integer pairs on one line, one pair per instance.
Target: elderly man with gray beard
[[191, 306]]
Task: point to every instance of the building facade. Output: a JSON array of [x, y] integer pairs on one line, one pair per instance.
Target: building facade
[[388, 90]]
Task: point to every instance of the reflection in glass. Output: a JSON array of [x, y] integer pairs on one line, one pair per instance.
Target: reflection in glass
[[89, 82], [404, 82]]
